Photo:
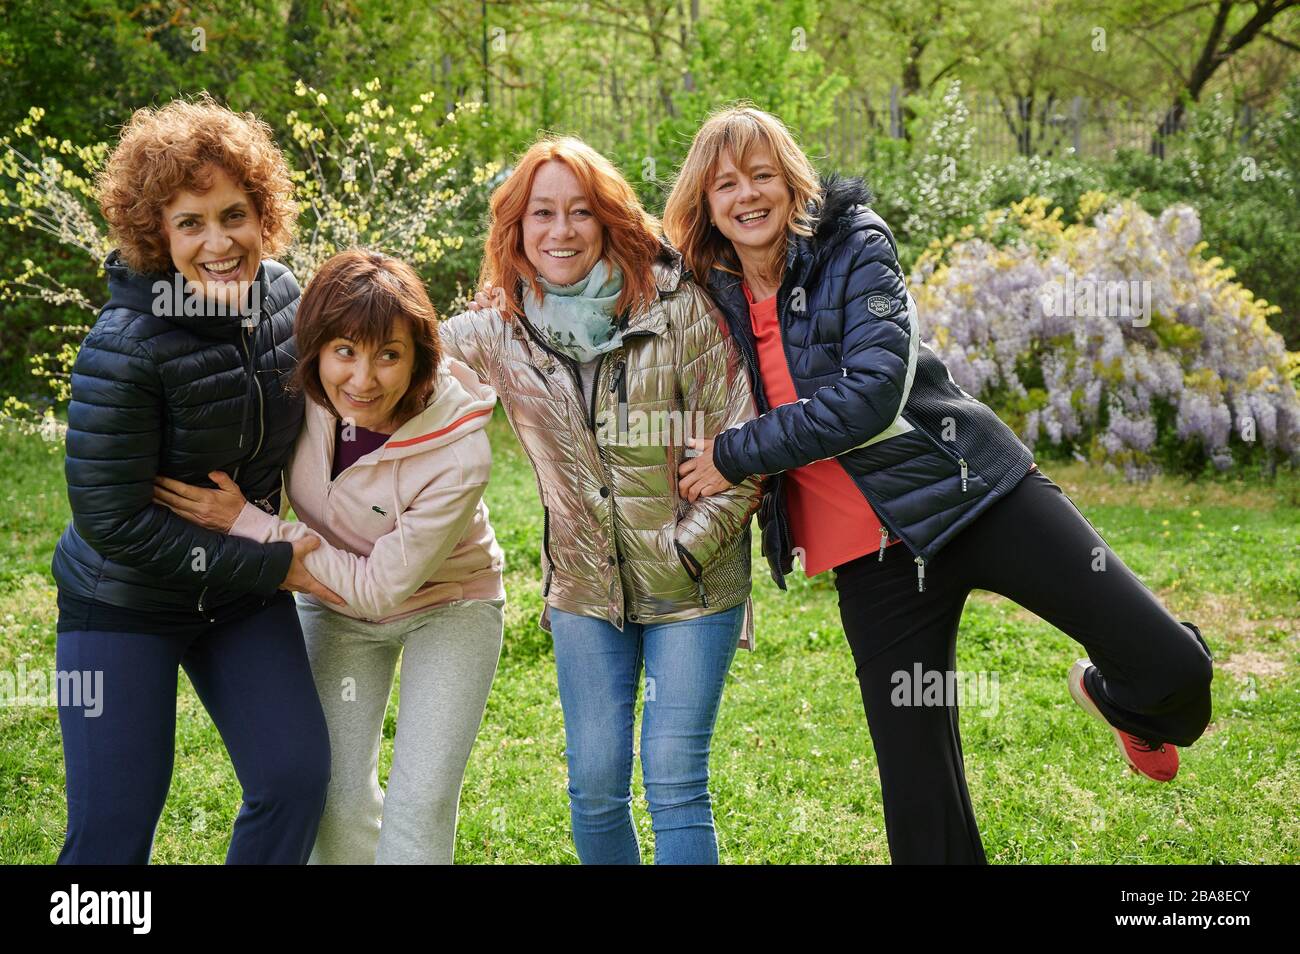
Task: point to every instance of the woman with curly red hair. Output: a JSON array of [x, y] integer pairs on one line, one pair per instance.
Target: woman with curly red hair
[[184, 375], [606, 356]]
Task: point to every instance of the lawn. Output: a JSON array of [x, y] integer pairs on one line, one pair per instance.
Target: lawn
[[794, 776]]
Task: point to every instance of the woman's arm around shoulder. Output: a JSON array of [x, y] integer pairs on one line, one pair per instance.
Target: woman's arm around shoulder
[[473, 337], [716, 395], [114, 441]]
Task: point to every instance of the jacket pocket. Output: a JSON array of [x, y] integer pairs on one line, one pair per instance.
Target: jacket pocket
[[888, 454], [694, 570], [912, 458], [549, 570], [772, 534], [693, 567]]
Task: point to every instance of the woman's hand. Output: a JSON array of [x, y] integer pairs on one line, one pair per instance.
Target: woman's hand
[[299, 578], [212, 509], [489, 297], [698, 477]]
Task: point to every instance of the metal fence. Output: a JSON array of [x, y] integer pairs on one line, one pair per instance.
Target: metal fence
[[1004, 126], [610, 113]]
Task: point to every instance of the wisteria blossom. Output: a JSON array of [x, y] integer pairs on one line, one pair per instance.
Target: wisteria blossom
[[1082, 335]]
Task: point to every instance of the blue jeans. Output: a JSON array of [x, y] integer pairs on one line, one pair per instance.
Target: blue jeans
[[598, 667]]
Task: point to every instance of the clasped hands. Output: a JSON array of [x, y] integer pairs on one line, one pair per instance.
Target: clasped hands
[[218, 508]]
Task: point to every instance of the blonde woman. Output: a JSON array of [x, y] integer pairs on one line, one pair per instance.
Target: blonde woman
[[913, 491]]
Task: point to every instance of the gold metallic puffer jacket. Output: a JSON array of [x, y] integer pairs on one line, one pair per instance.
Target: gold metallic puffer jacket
[[619, 543]]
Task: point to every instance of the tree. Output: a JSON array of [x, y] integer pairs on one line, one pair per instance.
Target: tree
[[1213, 33]]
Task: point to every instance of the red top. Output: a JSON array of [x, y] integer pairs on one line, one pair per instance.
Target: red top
[[829, 517]]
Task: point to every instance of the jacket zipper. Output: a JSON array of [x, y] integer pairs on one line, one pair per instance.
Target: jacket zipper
[[261, 406], [786, 536], [595, 378], [748, 353], [693, 570], [962, 467], [619, 385], [202, 611], [591, 421], [261, 435], [920, 561], [886, 530]]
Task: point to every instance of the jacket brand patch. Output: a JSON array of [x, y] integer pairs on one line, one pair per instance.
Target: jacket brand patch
[[879, 305]]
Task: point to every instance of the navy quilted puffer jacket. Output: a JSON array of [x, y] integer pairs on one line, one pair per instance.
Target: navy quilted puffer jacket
[[180, 395], [927, 456]]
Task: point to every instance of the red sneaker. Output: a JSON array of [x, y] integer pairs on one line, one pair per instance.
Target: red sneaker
[[1155, 760]]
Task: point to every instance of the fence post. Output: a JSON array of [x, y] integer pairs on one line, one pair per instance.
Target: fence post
[[448, 96], [543, 106], [1076, 120]]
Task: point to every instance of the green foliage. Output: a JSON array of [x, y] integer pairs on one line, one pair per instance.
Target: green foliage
[[635, 81], [1246, 187], [755, 51]]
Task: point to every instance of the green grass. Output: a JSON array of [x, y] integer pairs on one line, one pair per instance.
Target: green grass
[[794, 776]]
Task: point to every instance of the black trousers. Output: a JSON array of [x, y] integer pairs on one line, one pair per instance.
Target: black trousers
[[1035, 547]]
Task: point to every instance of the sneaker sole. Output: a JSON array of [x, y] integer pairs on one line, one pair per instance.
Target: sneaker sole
[[1085, 702]]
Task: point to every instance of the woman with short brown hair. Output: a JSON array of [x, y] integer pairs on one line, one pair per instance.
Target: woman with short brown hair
[[389, 470]]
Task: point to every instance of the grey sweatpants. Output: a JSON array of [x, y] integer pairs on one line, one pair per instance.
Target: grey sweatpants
[[449, 657]]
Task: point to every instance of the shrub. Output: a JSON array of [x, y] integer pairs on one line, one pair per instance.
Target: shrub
[[363, 176], [1111, 339], [1244, 184], [367, 177]]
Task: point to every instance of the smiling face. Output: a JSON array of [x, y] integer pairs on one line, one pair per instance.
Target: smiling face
[[562, 238], [365, 381], [749, 205], [215, 237]]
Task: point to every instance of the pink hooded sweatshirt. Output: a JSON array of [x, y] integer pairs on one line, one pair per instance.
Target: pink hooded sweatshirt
[[405, 527]]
